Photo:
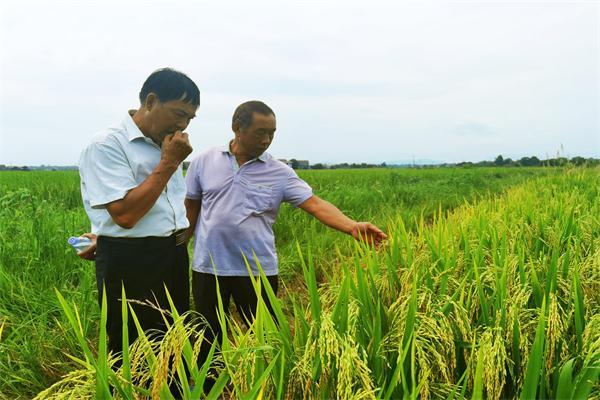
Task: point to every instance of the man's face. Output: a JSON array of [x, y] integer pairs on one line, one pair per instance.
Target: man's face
[[257, 138], [168, 117]]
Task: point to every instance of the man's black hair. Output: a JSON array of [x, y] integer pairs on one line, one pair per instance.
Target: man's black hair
[[242, 115], [168, 84]]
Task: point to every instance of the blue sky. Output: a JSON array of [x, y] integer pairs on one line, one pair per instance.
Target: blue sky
[[349, 81]]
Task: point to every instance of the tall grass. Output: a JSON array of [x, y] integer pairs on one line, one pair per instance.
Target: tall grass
[[499, 298]]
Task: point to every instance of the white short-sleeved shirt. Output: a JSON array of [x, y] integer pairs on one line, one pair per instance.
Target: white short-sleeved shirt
[[239, 207], [117, 160]]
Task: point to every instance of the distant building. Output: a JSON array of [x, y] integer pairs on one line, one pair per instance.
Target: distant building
[[286, 162], [296, 164], [303, 164]]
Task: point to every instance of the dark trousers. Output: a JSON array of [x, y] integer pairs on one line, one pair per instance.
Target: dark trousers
[[144, 266], [204, 288]]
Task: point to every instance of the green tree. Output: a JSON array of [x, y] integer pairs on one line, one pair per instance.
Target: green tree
[[578, 161], [532, 161]]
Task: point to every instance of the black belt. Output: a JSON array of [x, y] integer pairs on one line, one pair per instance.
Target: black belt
[[179, 237]]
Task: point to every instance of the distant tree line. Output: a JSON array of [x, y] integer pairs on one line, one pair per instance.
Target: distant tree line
[[38, 168], [13, 168], [533, 162], [500, 161], [347, 166]]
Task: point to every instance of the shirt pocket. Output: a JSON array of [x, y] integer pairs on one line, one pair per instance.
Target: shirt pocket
[[258, 199]]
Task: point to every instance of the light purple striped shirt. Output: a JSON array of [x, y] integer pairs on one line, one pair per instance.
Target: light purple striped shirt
[[239, 207]]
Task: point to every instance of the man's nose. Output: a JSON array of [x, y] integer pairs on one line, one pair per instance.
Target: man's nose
[[181, 125]]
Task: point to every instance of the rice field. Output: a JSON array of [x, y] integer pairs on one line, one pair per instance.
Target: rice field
[[488, 287]]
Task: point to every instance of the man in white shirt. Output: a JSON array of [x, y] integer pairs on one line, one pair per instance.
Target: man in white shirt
[[133, 192]]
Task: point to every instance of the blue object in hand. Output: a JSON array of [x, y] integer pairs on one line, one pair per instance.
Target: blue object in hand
[[79, 243]]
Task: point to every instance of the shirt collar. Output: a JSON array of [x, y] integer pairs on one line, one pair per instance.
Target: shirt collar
[[133, 132], [227, 149]]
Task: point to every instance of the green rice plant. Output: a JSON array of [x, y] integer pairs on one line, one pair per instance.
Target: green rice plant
[[146, 367], [536, 359], [400, 328], [450, 307]]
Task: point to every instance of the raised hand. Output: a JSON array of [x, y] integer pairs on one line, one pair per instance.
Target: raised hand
[[176, 147]]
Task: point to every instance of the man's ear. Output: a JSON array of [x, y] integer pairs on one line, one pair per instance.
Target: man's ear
[[151, 101]]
